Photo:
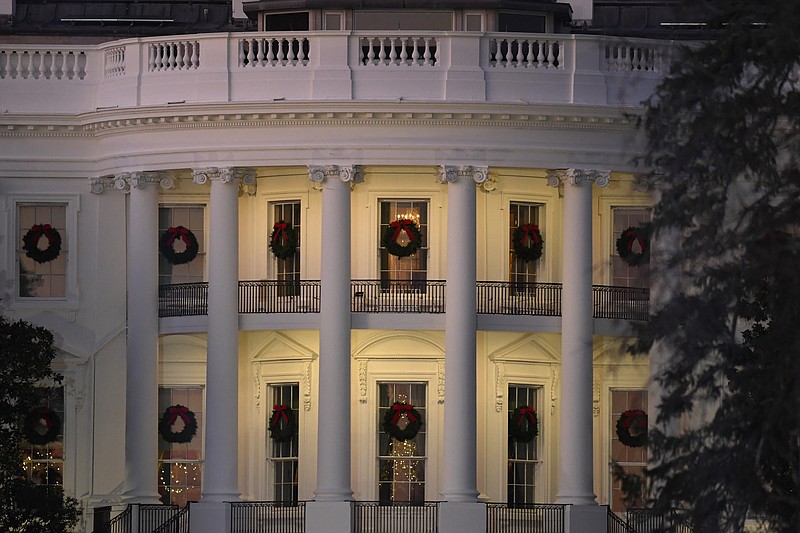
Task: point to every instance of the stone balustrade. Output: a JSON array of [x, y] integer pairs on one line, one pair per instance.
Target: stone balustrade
[[334, 66]]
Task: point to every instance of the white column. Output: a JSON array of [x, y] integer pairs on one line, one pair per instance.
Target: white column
[[220, 468], [460, 396], [333, 426], [141, 378], [576, 444]]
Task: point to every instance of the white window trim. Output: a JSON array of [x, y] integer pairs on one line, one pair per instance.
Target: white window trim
[[606, 206], [71, 299]]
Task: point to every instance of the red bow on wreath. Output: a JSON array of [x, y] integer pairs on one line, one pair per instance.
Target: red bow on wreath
[[181, 232], [280, 233], [635, 415], [635, 237], [43, 229], [399, 409], [178, 411], [279, 411], [528, 413], [402, 225], [529, 232]]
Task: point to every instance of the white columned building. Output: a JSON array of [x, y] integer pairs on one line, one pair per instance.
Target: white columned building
[[459, 485], [330, 512], [141, 392]]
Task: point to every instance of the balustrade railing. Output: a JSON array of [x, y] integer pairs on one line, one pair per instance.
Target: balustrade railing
[[279, 296], [631, 57], [397, 296], [268, 517], [173, 55], [526, 52], [616, 524], [114, 64], [653, 521], [395, 517], [42, 64], [524, 518], [399, 51], [272, 51], [122, 523], [406, 296]]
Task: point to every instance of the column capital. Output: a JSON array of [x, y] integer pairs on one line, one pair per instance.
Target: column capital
[[244, 175], [318, 174], [125, 180], [452, 173], [577, 176]]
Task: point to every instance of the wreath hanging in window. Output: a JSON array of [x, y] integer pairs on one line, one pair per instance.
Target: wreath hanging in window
[[524, 424], [528, 242], [393, 232], [283, 241], [168, 419], [31, 243], [282, 423], [167, 249], [42, 425], [632, 428], [394, 415], [634, 235]]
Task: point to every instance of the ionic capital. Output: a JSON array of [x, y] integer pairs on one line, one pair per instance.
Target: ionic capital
[[452, 173], [125, 180], [576, 177], [352, 174], [245, 177]]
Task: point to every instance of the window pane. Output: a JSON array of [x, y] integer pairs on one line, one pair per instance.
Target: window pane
[[44, 463], [48, 278], [622, 274], [181, 464], [521, 271], [193, 218], [401, 463], [414, 267], [287, 269], [283, 456], [632, 460], [522, 456]]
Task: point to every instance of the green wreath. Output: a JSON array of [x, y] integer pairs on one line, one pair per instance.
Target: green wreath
[[389, 240], [42, 425], [282, 423], [169, 418], [283, 241], [632, 235], [167, 241], [31, 243], [632, 428], [391, 419], [528, 233], [523, 425]]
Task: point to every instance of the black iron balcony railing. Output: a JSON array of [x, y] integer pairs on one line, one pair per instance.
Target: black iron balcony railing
[[410, 296], [395, 517], [524, 518], [268, 517]]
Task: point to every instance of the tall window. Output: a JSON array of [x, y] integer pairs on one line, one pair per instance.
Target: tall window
[[401, 463], [192, 218], [521, 271], [632, 460], [622, 274], [46, 279], [414, 267], [522, 456], [44, 463], [287, 269], [283, 455], [180, 465]]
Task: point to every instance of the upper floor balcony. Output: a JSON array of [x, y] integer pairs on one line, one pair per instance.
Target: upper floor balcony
[[503, 303], [333, 66]]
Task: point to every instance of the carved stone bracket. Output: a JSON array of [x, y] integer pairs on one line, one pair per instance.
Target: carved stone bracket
[[317, 175], [440, 384], [257, 387], [596, 398], [575, 176], [499, 386], [307, 386], [124, 181], [452, 173], [362, 381], [553, 389]]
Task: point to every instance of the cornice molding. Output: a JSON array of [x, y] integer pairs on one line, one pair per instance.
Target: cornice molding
[[97, 126]]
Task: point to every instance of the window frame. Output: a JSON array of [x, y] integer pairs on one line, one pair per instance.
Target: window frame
[[613, 416], [272, 460], [203, 243], [200, 432], [71, 298], [381, 200], [537, 392], [272, 261]]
